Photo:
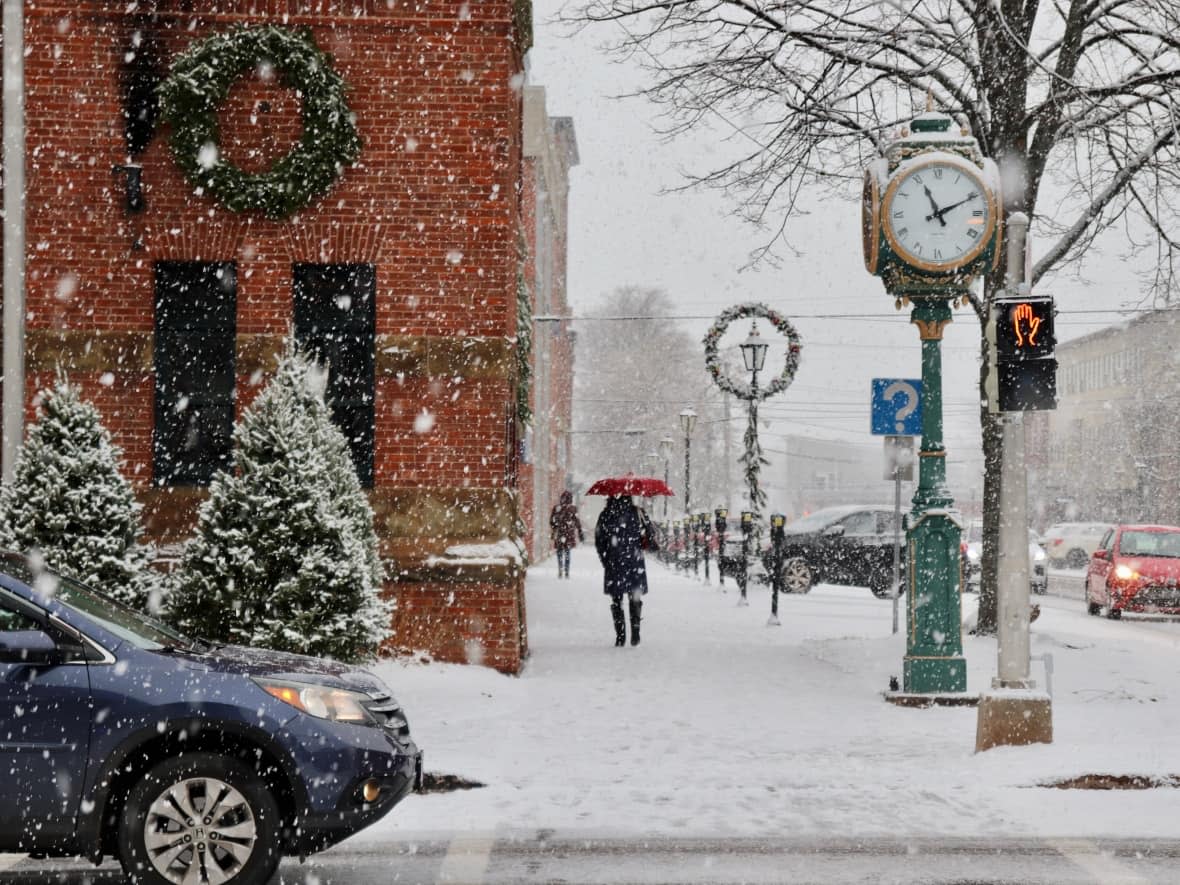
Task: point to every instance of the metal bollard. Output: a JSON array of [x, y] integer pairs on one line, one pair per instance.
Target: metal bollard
[[778, 538], [744, 570]]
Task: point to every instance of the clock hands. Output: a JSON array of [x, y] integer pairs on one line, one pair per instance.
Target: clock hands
[[937, 212]]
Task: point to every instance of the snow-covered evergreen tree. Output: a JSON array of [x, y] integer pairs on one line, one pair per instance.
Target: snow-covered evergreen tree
[[285, 555], [69, 501]]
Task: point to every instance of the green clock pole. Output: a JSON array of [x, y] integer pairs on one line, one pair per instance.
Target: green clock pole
[[934, 660], [930, 261]]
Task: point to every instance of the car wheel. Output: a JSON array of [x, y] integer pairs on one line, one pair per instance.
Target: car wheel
[[1093, 608], [1076, 558], [881, 586], [797, 577], [199, 818]]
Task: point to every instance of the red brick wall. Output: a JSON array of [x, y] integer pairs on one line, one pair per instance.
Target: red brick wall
[[463, 624], [433, 202]]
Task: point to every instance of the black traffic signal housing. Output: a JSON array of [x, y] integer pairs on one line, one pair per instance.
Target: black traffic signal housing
[[1026, 367]]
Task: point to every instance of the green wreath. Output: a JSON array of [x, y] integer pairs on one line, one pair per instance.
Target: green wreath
[[781, 324], [199, 82]]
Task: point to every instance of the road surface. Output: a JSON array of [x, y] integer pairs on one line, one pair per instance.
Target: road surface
[[495, 860]]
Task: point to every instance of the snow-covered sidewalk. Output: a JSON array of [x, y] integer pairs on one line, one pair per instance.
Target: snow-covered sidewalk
[[720, 725]]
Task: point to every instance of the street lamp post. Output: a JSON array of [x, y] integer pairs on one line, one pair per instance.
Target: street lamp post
[[754, 356], [666, 446], [688, 420]]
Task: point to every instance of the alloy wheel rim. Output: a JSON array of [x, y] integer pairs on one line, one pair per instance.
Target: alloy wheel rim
[[199, 831], [797, 575]]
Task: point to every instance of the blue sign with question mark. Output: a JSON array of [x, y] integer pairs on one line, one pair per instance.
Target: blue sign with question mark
[[897, 407]]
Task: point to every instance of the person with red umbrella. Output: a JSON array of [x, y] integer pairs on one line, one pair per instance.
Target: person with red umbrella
[[620, 537]]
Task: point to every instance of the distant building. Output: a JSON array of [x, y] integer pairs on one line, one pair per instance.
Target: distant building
[[550, 150], [820, 473], [1111, 449], [407, 274]]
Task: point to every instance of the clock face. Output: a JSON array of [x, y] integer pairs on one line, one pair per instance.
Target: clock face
[[938, 215]]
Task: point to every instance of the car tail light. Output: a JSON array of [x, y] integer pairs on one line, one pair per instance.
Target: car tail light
[[1056, 541]]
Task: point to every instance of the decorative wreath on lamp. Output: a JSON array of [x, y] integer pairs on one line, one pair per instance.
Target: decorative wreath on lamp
[[758, 311], [200, 80]]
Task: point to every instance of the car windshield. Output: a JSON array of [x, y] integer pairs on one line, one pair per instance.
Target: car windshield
[[1165, 544], [815, 521], [129, 625]]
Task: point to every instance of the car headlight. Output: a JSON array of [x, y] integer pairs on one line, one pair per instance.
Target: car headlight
[[1124, 572], [321, 701]]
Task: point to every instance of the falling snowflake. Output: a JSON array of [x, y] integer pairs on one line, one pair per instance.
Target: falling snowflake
[[424, 422], [207, 156]]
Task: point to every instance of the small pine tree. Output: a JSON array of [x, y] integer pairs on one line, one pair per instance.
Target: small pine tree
[[69, 501], [285, 555]]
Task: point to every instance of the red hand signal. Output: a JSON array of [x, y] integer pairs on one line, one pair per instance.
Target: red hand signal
[[1025, 312]]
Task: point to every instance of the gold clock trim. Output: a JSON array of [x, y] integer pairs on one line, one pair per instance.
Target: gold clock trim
[[940, 267], [870, 203]]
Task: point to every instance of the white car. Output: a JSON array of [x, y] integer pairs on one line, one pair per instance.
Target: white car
[[1071, 544], [1038, 577]]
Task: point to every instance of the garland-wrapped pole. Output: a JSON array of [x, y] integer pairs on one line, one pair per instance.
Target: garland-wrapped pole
[[752, 458]]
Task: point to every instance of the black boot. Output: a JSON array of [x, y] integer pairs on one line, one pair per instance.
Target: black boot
[[616, 610], [636, 611]]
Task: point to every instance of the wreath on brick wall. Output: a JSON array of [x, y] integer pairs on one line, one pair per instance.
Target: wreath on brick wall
[[200, 80], [781, 324]]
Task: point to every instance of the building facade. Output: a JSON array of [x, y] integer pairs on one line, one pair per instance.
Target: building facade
[[168, 305], [1110, 450], [550, 151]]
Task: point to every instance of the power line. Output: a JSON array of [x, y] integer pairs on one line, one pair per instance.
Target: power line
[[898, 317]]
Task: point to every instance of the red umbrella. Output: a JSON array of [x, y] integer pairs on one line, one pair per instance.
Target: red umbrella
[[644, 486]]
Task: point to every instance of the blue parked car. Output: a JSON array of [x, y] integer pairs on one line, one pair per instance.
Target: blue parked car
[[188, 761]]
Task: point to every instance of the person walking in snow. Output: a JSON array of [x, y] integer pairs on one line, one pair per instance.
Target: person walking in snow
[[566, 530], [620, 537]]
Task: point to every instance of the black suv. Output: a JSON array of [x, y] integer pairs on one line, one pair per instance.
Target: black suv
[[841, 545]]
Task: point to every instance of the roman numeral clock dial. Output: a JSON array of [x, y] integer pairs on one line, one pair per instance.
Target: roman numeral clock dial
[[938, 215]]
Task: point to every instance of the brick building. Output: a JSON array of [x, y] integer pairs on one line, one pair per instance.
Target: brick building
[[550, 149], [405, 273]]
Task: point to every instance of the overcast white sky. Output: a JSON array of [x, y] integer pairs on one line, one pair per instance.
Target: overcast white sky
[[625, 231]]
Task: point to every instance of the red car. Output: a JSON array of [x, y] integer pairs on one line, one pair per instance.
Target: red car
[[1136, 568]]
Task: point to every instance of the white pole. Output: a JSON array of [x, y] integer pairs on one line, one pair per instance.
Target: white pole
[[1012, 604], [14, 237]]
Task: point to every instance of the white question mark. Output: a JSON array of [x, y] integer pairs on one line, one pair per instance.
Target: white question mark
[[911, 401]]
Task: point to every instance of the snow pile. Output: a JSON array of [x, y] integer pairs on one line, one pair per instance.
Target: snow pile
[[503, 552]]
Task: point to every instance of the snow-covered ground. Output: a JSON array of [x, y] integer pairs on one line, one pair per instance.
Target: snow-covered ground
[[718, 724]]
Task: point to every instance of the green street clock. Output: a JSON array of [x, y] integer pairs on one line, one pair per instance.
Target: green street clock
[[930, 211]]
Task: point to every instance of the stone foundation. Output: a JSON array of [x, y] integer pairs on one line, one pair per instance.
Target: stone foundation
[[1012, 718]]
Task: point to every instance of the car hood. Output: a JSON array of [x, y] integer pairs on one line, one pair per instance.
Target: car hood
[[284, 665], [1153, 568]]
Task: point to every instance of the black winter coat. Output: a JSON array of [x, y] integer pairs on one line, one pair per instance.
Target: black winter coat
[[619, 538]]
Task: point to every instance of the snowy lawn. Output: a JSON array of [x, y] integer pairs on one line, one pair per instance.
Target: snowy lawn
[[718, 724]]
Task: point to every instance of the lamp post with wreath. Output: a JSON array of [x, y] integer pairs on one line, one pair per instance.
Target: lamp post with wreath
[[754, 356]]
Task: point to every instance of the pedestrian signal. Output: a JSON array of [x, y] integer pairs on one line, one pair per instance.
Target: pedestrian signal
[[1024, 328], [1025, 366]]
